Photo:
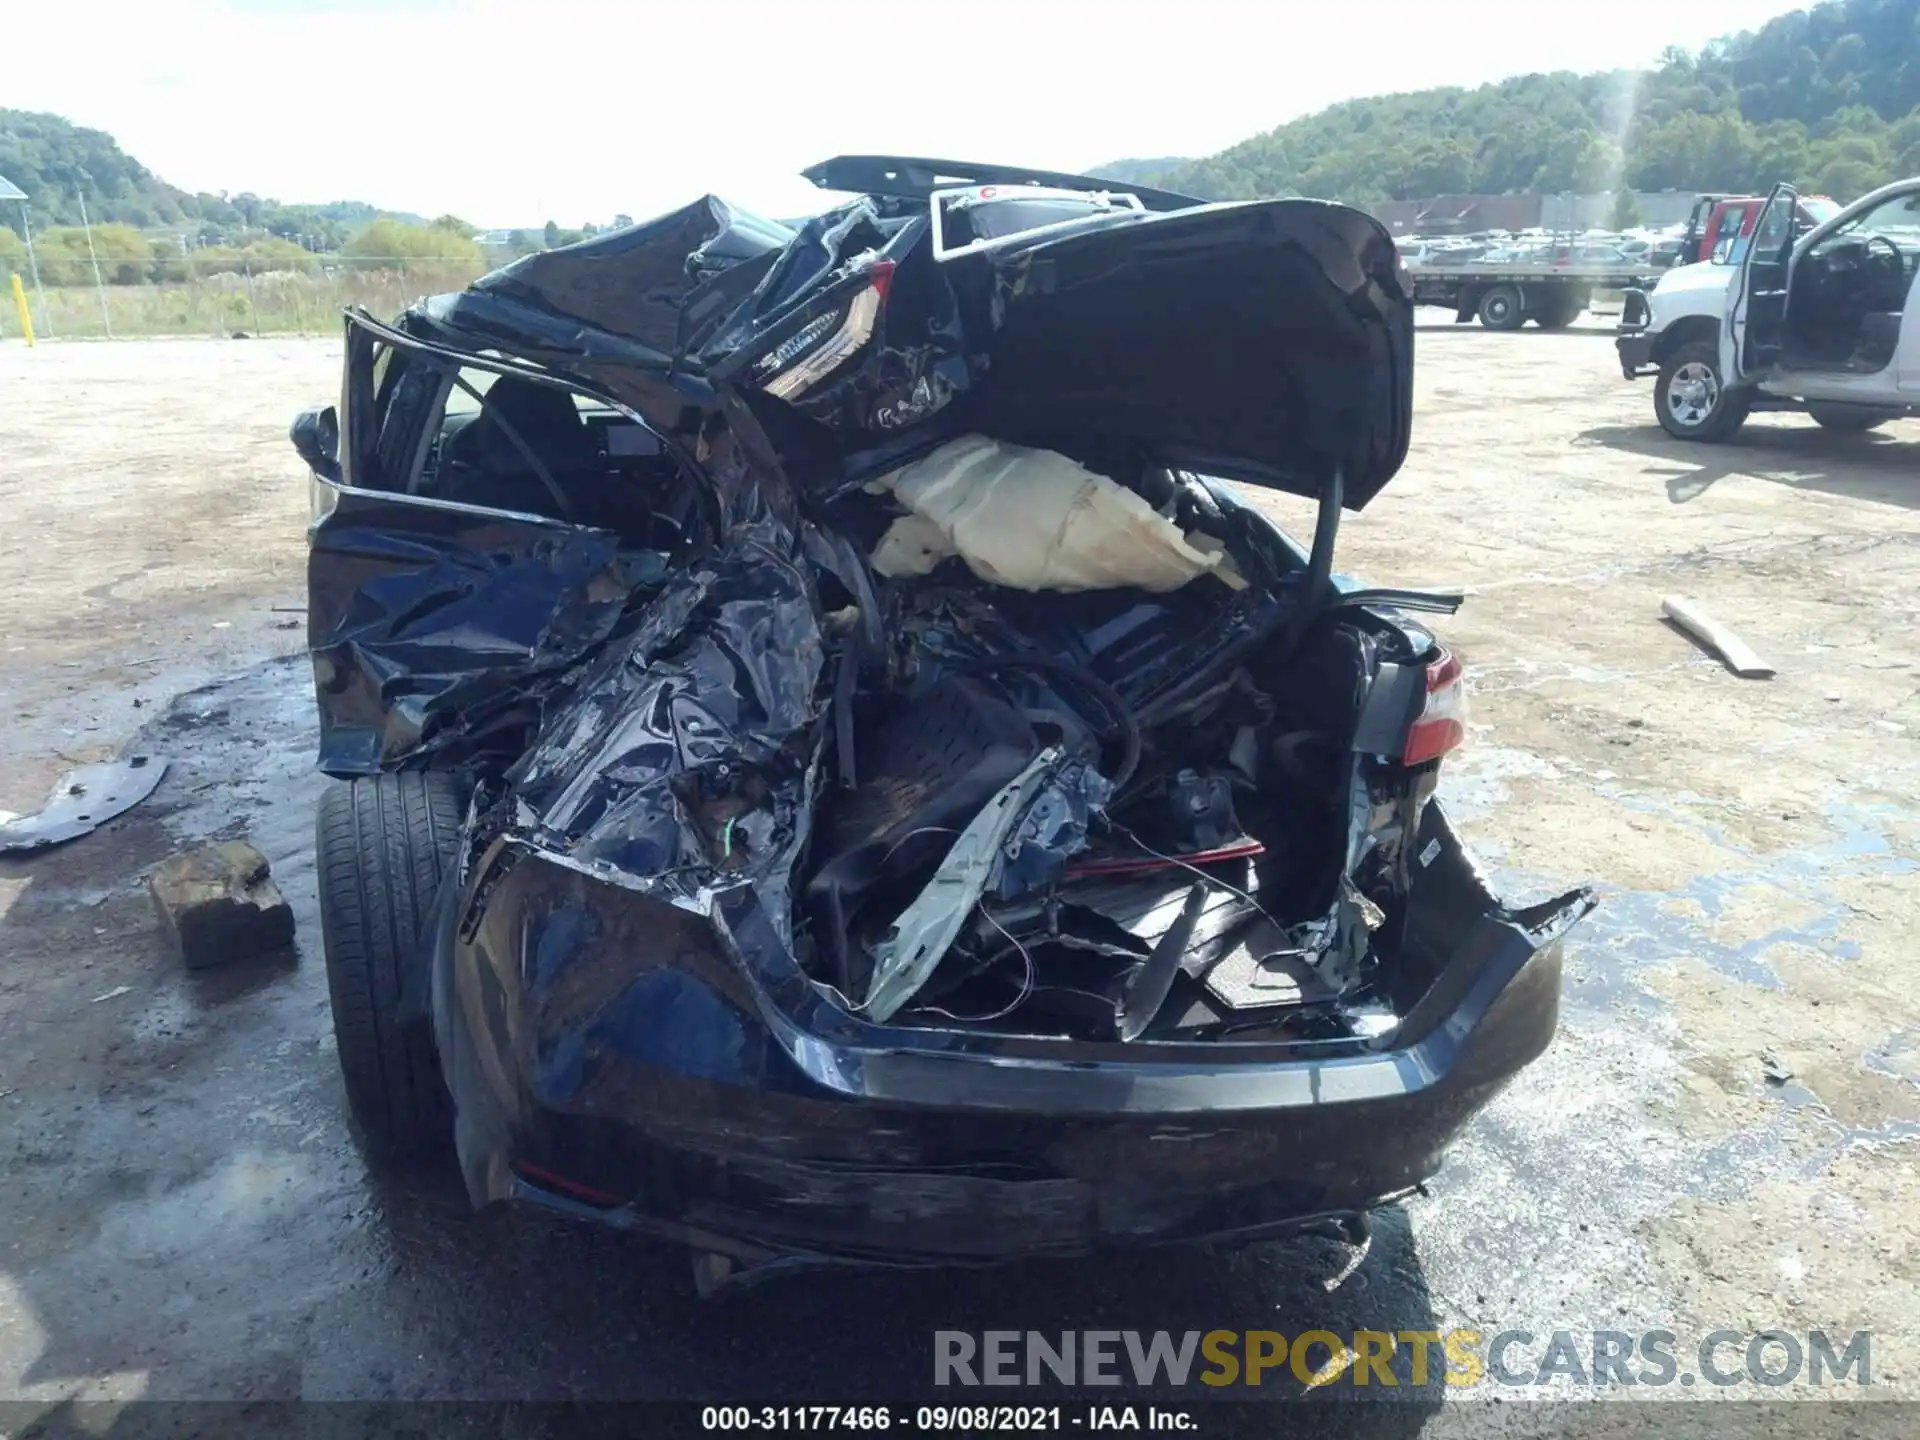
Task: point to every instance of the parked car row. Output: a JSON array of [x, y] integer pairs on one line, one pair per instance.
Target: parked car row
[[1652, 249]]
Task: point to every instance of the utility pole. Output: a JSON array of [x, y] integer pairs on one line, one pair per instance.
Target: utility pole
[[99, 285]]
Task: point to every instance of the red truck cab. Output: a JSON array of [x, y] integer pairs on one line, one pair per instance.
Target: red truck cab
[[1731, 218]]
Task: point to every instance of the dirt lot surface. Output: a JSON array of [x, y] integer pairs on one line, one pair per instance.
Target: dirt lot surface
[[1724, 1136]]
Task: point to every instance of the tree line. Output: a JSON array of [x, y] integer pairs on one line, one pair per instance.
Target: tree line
[[1826, 99], [126, 256], [60, 165]]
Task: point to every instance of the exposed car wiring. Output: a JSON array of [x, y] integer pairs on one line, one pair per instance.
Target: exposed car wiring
[[894, 849], [1026, 985]]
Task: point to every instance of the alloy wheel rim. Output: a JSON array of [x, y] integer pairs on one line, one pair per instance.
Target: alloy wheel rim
[[1692, 393]]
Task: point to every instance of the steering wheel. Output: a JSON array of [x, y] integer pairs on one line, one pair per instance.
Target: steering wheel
[[1898, 265]]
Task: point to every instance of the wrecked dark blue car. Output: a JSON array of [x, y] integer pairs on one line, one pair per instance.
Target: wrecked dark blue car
[[836, 766]]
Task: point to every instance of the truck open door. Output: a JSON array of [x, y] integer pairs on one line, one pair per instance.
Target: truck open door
[[1756, 311], [1693, 240]]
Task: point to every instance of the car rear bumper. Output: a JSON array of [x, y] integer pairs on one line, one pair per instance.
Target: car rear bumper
[[699, 1096]]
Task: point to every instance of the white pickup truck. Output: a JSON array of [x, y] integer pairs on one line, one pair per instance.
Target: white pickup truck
[[1827, 323]]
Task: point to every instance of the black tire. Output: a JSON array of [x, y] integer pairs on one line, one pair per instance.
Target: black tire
[[1500, 308], [383, 845], [1559, 312], [1710, 417], [1849, 419]]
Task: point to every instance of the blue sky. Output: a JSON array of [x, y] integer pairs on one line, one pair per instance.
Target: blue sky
[[517, 111]]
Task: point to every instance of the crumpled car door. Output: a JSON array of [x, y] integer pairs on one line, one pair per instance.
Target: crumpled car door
[[433, 626]]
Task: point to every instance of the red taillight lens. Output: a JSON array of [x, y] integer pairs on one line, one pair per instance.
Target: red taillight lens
[[1442, 723]]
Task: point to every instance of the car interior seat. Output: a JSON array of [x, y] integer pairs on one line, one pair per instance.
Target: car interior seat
[[492, 460]]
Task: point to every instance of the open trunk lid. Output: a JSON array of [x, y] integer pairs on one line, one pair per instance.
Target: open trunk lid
[[1268, 342]]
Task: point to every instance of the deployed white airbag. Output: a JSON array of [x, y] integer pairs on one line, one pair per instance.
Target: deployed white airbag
[[1036, 520]]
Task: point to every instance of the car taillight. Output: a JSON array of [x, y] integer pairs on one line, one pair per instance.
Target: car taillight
[[823, 345], [1442, 722]]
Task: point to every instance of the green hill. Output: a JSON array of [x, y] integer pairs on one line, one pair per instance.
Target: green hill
[[1828, 99], [56, 162], [1137, 172]]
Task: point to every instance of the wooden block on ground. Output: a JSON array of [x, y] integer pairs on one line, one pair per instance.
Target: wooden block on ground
[[219, 904]]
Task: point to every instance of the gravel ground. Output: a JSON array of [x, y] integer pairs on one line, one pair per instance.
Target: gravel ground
[[1724, 1135]]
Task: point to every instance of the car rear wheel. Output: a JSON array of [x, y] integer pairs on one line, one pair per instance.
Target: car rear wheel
[[1691, 401], [383, 845], [1850, 418], [1500, 309]]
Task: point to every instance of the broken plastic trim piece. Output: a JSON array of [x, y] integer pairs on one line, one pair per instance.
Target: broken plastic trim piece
[[84, 799], [1150, 987], [928, 927]]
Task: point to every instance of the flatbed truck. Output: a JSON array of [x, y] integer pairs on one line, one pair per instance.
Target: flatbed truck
[[1504, 295]]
